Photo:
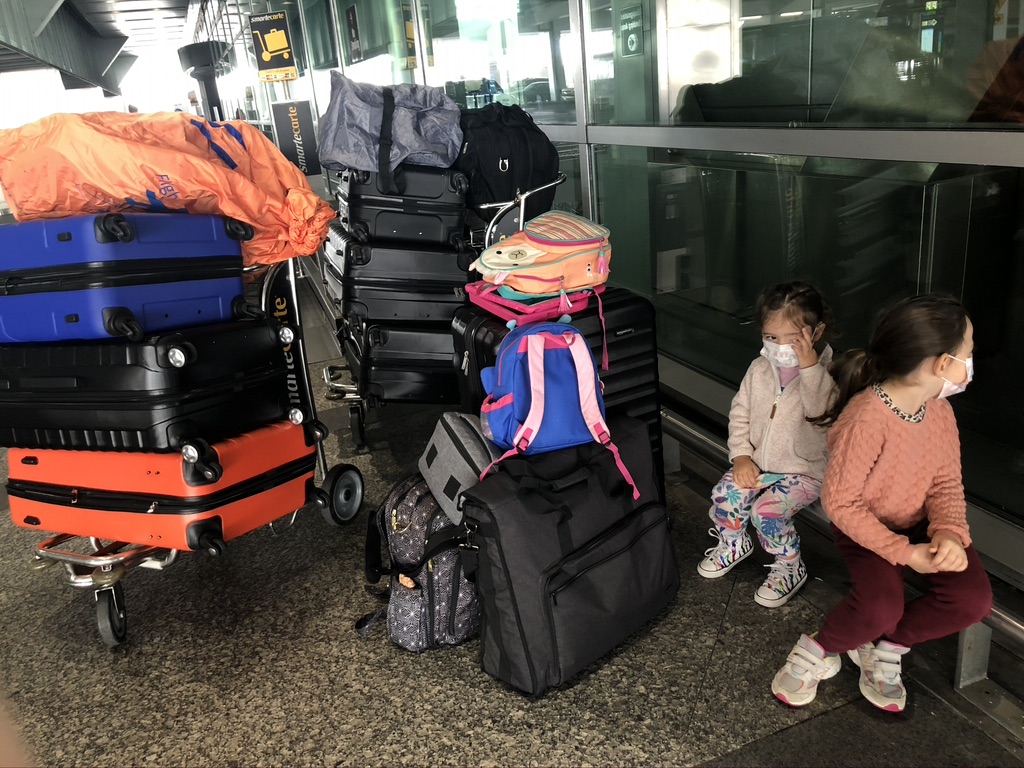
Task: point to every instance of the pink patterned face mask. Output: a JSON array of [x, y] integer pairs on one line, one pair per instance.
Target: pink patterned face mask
[[783, 355]]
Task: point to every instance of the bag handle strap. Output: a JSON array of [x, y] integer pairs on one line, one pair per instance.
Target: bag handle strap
[[384, 181], [443, 540], [587, 382]]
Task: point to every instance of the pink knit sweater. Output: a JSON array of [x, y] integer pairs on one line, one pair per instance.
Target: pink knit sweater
[[886, 474]]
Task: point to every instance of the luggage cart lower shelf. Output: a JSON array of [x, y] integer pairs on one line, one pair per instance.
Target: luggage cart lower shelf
[[91, 563]]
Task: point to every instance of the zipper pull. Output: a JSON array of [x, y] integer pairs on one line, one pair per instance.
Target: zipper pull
[[775, 406], [430, 565], [394, 520], [465, 363]]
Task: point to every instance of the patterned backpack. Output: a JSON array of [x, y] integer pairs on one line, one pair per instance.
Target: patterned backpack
[[430, 602]]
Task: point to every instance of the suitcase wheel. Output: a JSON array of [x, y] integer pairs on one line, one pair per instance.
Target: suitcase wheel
[[206, 536], [239, 230], [461, 183], [113, 227], [201, 465], [111, 616], [243, 310], [344, 490], [120, 321], [316, 432]]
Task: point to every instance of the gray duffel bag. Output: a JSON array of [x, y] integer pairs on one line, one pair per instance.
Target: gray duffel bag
[[454, 458]]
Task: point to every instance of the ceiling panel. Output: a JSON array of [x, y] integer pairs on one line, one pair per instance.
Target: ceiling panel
[[144, 22]]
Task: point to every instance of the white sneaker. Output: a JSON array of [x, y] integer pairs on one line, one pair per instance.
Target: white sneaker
[[785, 577], [881, 680], [724, 556], [796, 684]]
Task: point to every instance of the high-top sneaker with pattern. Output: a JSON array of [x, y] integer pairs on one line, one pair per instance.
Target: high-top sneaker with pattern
[[724, 556], [785, 577]]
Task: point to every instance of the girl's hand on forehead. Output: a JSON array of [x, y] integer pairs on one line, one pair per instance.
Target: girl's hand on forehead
[[803, 345]]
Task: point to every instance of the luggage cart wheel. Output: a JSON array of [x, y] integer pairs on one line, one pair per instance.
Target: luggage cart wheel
[[356, 424], [111, 616], [344, 486]]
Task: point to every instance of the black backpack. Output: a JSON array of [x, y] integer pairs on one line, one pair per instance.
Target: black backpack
[[503, 153]]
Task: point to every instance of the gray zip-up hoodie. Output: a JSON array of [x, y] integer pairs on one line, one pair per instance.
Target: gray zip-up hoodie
[[770, 425]]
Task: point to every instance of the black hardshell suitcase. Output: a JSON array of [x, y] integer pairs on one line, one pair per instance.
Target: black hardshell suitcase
[[208, 382], [428, 207], [630, 384], [401, 363], [388, 282]]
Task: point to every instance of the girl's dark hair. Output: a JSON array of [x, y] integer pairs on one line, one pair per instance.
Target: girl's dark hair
[[797, 301], [906, 334]]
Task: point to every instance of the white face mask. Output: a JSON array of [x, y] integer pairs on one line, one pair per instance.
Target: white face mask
[[949, 388], [783, 355]]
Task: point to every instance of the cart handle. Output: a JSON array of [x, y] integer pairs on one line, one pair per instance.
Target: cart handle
[[520, 200]]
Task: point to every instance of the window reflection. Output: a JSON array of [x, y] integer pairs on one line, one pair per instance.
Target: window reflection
[[702, 233], [953, 63], [508, 51]]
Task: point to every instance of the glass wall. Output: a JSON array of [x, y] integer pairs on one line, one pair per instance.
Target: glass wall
[[510, 51], [722, 226], [923, 63]]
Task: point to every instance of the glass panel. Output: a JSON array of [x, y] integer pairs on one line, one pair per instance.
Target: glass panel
[[702, 233], [503, 50], [378, 41], [320, 34], [569, 194], [875, 63]]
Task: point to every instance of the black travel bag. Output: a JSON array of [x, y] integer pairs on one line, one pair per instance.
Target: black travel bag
[[401, 362], [630, 383], [428, 207], [209, 382], [567, 563], [504, 153], [388, 282]]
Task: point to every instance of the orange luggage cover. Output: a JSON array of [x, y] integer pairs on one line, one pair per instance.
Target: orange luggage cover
[[68, 164]]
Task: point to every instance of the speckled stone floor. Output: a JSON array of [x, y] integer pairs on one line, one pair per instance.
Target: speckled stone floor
[[251, 659]]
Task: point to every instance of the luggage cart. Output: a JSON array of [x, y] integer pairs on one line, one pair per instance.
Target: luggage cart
[[89, 563], [510, 216], [508, 219]]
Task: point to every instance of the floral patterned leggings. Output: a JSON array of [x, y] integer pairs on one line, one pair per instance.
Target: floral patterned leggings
[[770, 508]]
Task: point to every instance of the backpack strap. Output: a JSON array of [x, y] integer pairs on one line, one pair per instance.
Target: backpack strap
[[587, 382], [385, 182]]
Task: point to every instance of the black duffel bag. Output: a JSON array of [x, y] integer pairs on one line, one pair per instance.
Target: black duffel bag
[[504, 153], [567, 564]]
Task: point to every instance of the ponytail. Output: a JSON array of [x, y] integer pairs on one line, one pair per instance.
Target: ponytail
[[853, 371]]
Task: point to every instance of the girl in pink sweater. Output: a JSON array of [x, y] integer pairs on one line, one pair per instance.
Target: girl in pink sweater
[[777, 455], [894, 495]]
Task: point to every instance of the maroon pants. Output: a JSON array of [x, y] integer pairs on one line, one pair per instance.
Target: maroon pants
[[876, 609]]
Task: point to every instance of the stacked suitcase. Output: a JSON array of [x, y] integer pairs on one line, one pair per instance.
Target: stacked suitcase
[[143, 401], [395, 265]]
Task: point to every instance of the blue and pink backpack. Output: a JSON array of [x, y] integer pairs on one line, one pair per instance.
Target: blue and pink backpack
[[543, 394]]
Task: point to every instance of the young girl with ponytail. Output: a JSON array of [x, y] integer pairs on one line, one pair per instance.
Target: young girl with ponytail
[[894, 495]]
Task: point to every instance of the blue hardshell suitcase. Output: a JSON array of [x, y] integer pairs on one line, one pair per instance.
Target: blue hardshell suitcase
[[116, 275]]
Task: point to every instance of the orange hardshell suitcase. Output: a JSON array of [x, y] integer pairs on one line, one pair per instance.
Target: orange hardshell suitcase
[[197, 499]]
